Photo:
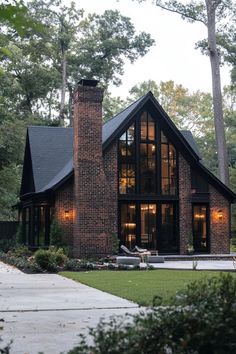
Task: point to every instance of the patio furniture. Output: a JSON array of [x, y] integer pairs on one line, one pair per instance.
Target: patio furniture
[[128, 252], [155, 259], [131, 261], [140, 250]]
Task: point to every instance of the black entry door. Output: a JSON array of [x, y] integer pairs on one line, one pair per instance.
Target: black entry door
[[200, 227]]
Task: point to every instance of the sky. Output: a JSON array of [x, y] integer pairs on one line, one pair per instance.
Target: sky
[[173, 57]]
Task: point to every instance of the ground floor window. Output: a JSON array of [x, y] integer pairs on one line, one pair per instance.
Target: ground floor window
[[200, 227], [36, 225], [149, 225]]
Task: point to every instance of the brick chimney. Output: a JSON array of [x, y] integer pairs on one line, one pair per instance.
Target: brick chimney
[[91, 236]]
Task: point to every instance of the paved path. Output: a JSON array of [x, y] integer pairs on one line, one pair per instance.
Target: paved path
[[46, 312], [201, 265]]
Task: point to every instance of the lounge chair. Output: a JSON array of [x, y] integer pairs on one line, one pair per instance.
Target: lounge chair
[[140, 250], [128, 252]]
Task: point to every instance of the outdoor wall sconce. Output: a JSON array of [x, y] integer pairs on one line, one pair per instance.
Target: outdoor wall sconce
[[220, 215], [66, 214]]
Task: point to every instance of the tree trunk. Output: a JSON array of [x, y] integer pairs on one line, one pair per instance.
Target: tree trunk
[[70, 108], [63, 89], [216, 92]]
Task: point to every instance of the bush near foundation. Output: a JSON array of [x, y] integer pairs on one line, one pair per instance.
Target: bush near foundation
[[201, 320], [50, 259]]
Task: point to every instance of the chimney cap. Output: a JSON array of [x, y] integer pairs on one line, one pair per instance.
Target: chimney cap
[[87, 82]]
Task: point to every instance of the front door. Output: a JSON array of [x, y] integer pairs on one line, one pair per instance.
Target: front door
[[200, 227]]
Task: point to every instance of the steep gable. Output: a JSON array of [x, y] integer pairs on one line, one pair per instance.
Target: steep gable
[[51, 148]]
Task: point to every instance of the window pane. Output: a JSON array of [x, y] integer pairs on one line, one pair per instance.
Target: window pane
[[148, 226], [143, 126], [200, 227], [127, 162], [168, 227], [130, 133], [168, 167], [147, 169], [151, 128], [128, 225]]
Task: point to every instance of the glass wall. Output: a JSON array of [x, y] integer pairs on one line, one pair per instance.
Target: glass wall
[[149, 225]]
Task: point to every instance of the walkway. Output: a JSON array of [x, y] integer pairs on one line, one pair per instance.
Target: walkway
[[46, 312], [201, 265]]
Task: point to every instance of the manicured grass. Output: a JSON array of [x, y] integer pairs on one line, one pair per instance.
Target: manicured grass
[[139, 286]]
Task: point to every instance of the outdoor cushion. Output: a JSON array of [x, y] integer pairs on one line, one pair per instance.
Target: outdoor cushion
[[155, 259], [128, 260]]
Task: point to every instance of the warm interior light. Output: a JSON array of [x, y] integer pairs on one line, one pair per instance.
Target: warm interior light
[[220, 215], [130, 224], [199, 216], [66, 214]]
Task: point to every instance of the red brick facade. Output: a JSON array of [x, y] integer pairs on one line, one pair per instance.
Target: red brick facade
[[219, 227], [87, 206], [64, 210], [185, 207], [93, 197]]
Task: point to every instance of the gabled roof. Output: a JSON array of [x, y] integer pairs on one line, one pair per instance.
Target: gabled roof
[[51, 148]]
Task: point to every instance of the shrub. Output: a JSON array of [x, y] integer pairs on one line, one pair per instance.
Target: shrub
[[201, 319], [20, 251], [50, 259]]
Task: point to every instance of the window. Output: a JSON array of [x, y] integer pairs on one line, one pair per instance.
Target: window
[[147, 160], [36, 225], [168, 167], [168, 238], [128, 225], [127, 162], [147, 168], [200, 227], [148, 219], [147, 155]]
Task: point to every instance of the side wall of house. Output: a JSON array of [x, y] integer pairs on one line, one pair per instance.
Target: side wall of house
[[219, 229], [111, 172], [64, 203], [185, 207]]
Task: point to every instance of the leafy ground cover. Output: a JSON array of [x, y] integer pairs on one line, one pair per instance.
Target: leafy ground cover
[[140, 286]]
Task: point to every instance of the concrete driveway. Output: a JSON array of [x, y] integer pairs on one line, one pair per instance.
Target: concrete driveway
[[46, 312]]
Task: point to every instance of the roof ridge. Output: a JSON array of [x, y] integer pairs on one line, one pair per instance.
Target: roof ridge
[[133, 103]]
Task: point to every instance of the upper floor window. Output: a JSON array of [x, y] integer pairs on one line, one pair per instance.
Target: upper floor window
[[127, 162], [147, 127], [141, 152], [168, 167]]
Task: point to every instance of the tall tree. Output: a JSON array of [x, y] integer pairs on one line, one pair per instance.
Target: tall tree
[[210, 13]]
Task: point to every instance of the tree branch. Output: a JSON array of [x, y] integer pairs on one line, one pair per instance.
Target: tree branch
[[180, 13]]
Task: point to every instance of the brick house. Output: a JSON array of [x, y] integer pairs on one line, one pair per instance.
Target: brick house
[[136, 176]]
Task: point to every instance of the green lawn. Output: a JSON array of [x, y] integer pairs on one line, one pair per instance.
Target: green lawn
[[139, 286]]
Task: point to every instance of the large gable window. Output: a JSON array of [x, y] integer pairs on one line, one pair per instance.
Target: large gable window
[[147, 160]]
